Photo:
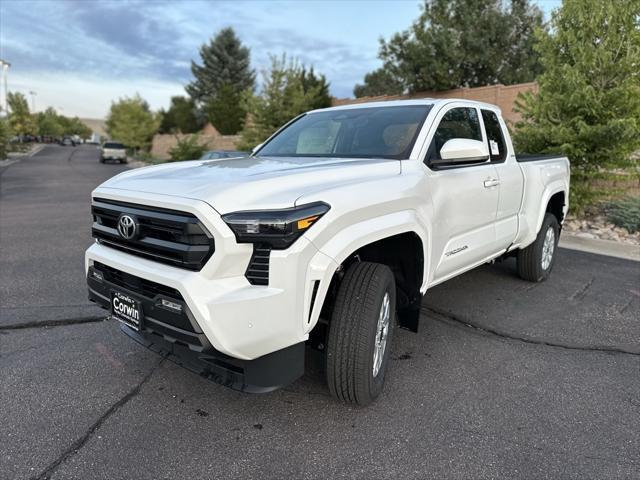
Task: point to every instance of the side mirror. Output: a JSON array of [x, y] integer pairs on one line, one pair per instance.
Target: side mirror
[[256, 148], [463, 150]]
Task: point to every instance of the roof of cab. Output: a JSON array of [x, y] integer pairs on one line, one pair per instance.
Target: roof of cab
[[416, 101]]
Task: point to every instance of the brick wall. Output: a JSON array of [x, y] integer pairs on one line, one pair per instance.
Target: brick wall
[[208, 136], [503, 96]]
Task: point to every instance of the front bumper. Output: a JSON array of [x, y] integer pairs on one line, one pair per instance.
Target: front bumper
[[177, 337], [236, 318], [264, 374]]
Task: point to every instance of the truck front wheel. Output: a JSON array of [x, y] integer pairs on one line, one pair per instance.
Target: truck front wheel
[[536, 261], [360, 333]]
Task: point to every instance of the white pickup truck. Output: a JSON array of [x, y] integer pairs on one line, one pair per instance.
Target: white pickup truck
[[113, 151], [326, 237]]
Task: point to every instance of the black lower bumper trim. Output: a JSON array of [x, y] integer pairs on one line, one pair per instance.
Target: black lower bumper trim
[[265, 374]]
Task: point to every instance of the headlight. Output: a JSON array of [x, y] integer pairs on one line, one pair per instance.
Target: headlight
[[278, 228]]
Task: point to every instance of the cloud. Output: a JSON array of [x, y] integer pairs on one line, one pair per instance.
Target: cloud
[[136, 44]]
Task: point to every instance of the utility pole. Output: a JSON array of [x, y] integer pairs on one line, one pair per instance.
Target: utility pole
[[33, 101], [5, 69]]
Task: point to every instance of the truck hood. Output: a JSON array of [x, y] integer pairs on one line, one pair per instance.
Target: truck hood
[[251, 182]]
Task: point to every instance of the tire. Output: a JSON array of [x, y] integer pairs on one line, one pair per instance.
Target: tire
[[102, 160], [534, 263], [353, 332]]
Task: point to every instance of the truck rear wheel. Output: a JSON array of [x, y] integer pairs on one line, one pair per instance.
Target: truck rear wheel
[[360, 333], [536, 261]]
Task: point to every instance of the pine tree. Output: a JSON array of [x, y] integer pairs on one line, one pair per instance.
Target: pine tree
[[317, 87], [283, 97], [226, 111], [181, 116], [225, 61], [588, 102]]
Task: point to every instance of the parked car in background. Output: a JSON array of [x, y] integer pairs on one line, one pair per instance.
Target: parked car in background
[[94, 139], [67, 141], [215, 154], [113, 151], [326, 237]]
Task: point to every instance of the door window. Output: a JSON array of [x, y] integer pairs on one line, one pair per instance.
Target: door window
[[495, 138], [461, 122]]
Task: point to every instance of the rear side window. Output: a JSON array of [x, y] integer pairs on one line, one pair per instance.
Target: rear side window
[[461, 122], [495, 138]]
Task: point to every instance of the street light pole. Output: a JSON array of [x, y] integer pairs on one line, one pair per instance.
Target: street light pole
[[5, 68]]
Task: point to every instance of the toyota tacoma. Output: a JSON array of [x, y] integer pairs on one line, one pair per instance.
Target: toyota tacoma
[[324, 239]]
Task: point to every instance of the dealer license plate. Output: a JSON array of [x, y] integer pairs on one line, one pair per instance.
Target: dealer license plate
[[126, 310]]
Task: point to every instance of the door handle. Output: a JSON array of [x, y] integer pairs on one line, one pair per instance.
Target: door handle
[[491, 182]]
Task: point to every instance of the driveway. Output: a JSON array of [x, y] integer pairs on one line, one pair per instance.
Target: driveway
[[505, 379]]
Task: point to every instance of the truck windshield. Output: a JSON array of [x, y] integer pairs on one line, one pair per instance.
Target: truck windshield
[[114, 145], [371, 132]]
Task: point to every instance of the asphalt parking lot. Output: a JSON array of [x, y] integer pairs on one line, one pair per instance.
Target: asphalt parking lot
[[505, 379]]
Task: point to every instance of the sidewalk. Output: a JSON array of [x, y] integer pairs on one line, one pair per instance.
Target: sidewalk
[[14, 157], [602, 247]]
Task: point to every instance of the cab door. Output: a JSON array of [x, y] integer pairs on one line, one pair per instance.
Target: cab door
[[510, 177], [464, 196]]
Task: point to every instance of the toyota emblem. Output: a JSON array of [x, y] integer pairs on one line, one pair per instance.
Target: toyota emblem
[[127, 227]]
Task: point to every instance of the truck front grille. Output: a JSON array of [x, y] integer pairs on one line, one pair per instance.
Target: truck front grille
[[173, 326], [166, 236]]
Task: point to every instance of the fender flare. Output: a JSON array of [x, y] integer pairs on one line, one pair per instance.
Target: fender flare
[[334, 252], [558, 186]]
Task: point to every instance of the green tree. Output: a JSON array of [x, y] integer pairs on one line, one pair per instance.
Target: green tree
[[226, 111], [588, 102], [74, 126], [49, 123], [379, 82], [5, 134], [225, 61], [316, 86], [131, 122], [459, 43], [21, 121], [181, 117], [283, 97], [188, 148]]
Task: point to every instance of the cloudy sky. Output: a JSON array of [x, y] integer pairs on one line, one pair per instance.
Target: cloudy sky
[[79, 55]]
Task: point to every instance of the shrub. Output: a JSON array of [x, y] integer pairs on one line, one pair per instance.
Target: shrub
[[624, 213], [188, 148]]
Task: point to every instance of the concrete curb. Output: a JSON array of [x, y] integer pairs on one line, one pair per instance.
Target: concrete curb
[[18, 155], [601, 247], [35, 150]]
